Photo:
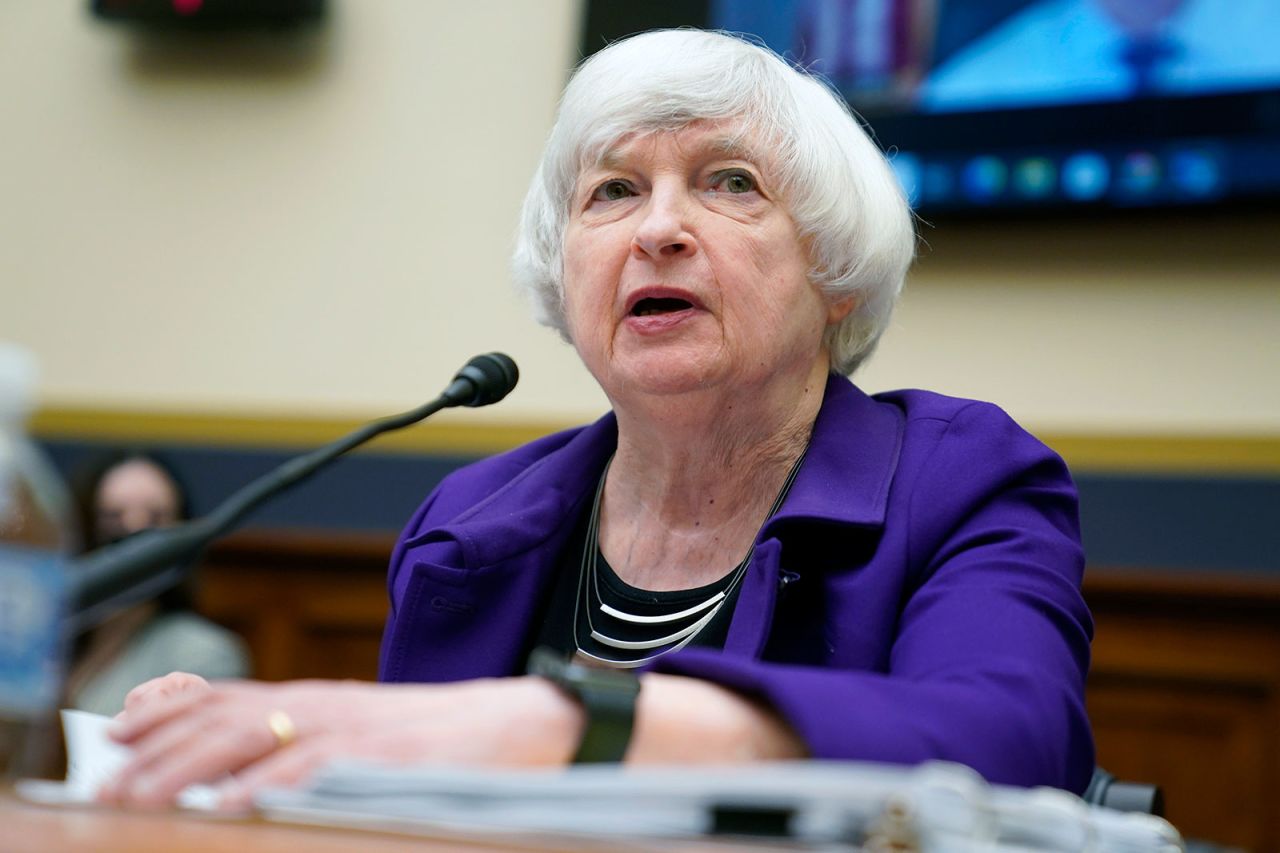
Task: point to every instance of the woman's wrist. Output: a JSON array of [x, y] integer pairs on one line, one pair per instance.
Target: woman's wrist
[[606, 698], [557, 719]]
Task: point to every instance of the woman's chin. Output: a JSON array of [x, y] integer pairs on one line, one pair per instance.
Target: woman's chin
[[661, 374]]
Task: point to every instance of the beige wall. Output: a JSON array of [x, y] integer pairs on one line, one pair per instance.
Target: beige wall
[[321, 227]]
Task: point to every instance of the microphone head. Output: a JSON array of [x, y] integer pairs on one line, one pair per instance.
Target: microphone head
[[483, 380]]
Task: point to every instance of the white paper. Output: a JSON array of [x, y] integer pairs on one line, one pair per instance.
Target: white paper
[[93, 758]]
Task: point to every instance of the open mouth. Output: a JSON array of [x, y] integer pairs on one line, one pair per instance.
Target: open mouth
[[659, 305]]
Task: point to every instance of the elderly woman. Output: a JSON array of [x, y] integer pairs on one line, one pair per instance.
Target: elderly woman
[[795, 568]]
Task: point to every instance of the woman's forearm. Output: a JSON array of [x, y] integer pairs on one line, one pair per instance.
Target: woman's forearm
[[683, 720]]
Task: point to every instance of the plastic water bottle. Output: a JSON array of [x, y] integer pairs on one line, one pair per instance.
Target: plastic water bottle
[[37, 534]]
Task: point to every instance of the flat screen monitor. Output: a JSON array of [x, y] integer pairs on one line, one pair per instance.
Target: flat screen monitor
[[1025, 105]]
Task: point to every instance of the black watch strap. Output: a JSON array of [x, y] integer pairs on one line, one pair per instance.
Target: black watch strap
[[608, 696]]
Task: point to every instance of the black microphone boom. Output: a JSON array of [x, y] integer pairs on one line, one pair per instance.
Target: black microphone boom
[[152, 561]]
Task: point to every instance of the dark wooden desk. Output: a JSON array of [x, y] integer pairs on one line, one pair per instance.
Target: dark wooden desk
[[46, 829]]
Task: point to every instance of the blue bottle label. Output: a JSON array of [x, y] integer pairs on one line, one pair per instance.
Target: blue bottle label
[[33, 588]]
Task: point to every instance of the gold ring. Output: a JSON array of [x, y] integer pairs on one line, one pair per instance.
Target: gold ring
[[281, 725]]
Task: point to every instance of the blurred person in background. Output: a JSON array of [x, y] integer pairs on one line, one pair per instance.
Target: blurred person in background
[[123, 493]]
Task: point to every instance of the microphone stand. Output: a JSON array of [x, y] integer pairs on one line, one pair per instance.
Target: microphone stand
[[108, 579]]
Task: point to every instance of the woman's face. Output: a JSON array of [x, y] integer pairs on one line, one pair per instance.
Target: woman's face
[[683, 270], [135, 495]]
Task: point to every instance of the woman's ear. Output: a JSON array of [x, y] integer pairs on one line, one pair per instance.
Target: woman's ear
[[838, 309]]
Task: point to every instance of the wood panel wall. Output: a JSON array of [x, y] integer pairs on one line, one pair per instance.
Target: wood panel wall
[[1184, 689]]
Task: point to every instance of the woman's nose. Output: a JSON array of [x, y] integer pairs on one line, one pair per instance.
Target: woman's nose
[[664, 230], [136, 518]]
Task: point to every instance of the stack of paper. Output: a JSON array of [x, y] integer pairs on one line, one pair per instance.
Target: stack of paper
[[935, 806]]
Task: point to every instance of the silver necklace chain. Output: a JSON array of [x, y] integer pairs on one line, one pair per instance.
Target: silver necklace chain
[[589, 598]]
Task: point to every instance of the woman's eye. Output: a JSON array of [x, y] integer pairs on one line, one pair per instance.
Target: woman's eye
[[736, 182], [612, 191]]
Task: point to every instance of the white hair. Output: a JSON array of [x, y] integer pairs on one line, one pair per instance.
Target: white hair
[[837, 186]]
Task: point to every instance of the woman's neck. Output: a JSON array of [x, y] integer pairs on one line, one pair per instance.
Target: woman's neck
[[693, 480]]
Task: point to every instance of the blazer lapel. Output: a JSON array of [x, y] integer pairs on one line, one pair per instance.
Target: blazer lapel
[[477, 582], [842, 488]]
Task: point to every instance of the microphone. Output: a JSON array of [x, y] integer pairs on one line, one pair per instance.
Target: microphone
[[483, 380], [149, 562]]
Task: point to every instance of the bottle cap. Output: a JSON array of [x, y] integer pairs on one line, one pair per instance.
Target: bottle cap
[[18, 375]]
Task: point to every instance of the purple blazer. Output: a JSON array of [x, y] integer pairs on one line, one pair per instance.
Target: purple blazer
[[916, 597]]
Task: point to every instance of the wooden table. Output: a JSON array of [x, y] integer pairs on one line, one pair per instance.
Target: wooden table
[[29, 828]]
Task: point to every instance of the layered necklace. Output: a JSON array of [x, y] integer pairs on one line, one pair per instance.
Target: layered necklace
[[612, 632]]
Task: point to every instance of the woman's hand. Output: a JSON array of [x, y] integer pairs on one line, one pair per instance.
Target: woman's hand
[[185, 730], [173, 684], [202, 733]]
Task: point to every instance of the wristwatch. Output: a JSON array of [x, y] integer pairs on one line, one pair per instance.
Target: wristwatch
[[608, 696]]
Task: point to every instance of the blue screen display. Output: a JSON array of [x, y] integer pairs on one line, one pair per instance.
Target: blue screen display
[[1048, 103]]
